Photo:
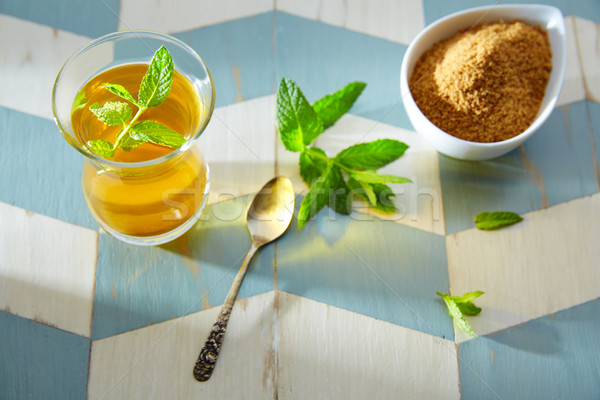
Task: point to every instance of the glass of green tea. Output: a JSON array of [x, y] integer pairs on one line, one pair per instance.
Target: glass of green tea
[[134, 103]]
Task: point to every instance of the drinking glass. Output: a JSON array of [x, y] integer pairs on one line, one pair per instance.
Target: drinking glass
[[155, 200]]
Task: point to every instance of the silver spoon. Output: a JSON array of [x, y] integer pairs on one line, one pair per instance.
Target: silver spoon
[[268, 216]]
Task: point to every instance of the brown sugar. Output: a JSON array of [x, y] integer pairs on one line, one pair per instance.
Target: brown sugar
[[485, 84]]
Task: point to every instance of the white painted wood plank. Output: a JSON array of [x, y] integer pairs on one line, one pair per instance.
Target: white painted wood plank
[[419, 204], [31, 56], [546, 263], [573, 89], [239, 146], [588, 36], [182, 15], [395, 20], [47, 269], [330, 353], [157, 362]]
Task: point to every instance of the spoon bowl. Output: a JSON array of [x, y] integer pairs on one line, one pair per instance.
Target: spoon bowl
[[270, 212], [267, 218]]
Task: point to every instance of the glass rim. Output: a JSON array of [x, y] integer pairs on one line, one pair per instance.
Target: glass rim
[[154, 161]]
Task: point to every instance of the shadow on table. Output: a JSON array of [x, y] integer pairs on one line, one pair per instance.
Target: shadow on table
[[360, 263], [539, 336]]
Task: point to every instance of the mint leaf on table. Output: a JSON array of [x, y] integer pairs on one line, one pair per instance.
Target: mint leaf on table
[[377, 195], [112, 113], [298, 123], [465, 302], [318, 194], [372, 155], [331, 107], [156, 83], [363, 189], [154, 89], [371, 176], [496, 219], [383, 193], [333, 181], [469, 309], [460, 306], [313, 162], [120, 91], [341, 199]]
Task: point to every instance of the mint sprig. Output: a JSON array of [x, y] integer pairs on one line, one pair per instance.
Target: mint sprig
[[333, 181], [496, 219], [154, 89], [459, 306]]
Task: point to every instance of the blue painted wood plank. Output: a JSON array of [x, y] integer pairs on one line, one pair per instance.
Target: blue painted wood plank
[[87, 18], [563, 153], [138, 286], [594, 113], [553, 357], [239, 55], [41, 362], [322, 59], [435, 9], [377, 268], [39, 170]]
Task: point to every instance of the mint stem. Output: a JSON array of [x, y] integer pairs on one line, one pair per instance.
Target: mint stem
[[330, 160], [121, 136]]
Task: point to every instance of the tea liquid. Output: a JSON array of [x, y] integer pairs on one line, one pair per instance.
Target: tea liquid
[[180, 111], [152, 200]]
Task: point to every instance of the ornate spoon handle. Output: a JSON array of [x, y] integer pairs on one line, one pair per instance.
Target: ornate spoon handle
[[210, 352]]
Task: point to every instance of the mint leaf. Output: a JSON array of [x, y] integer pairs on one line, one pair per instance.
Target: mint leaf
[[468, 308], [456, 314], [112, 113], [319, 194], [372, 155], [312, 164], [467, 297], [340, 197], [377, 195], [331, 107], [120, 91], [102, 147], [496, 219], [128, 143], [383, 194], [156, 83], [465, 302], [79, 102], [151, 131], [297, 122], [370, 176], [364, 190]]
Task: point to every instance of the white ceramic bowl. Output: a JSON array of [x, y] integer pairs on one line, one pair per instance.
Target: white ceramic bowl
[[548, 17]]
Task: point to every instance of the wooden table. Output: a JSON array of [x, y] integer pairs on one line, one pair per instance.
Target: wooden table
[[345, 308]]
